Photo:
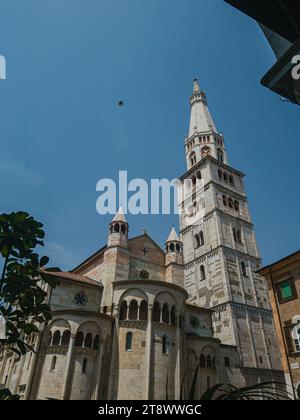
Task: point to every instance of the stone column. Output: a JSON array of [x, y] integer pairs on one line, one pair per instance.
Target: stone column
[[68, 373], [178, 359], [95, 395], [112, 368], [149, 354]]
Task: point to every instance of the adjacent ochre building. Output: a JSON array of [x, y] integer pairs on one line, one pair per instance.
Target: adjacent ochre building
[[283, 279], [133, 320]]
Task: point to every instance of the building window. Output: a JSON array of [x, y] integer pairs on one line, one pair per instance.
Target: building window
[[173, 316], [236, 206], [156, 312], [66, 338], [165, 347], [296, 337], [220, 173], [224, 200], [197, 241], [286, 290], [123, 311], [84, 365], [201, 237], [79, 339], [202, 273], [227, 362], [225, 177], [53, 363], [56, 338], [144, 275], [194, 322], [133, 310], [230, 203], [193, 159], [129, 341], [88, 342], [166, 314], [244, 269], [231, 180], [144, 311]]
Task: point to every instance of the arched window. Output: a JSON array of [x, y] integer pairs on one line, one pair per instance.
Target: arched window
[[144, 311], [129, 341], [84, 365], [220, 173], [117, 228], [165, 349], [178, 248], [56, 338], [220, 155], [172, 247], [193, 159], [133, 310], [208, 361], [173, 316], [156, 312], [65, 338], [234, 234], [166, 314], [197, 241], [88, 342], [123, 229], [199, 176], [244, 269], [296, 337], [123, 311], [231, 180], [79, 339], [96, 342], [239, 236], [202, 361], [224, 200], [53, 363], [194, 181], [202, 272], [236, 206], [201, 237], [230, 203], [225, 177]]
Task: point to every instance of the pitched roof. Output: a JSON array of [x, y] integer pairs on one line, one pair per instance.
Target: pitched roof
[[120, 216], [173, 237]]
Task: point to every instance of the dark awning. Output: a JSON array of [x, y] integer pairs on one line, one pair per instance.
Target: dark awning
[[282, 16]]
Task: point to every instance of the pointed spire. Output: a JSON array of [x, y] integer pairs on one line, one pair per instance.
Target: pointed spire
[[173, 237], [120, 217], [201, 119]]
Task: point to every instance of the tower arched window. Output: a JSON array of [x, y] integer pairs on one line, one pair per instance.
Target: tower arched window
[[201, 237], [230, 203], [296, 337], [123, 311], [156, 312], [129, 341], [53, 363], [133, 310], [220, 155], [199, 176], [79, 339], [123, 229], [224, 200], [172, 247], [88, 342], [66, 338], [178, 248], [193, 159], [202, 272], [225, 177], [194, 181], [220, 173], [117, 228], [231, 180], [197, 241], [244, 269], [239, 235], [144, 311], [236, 205], [166, 314], [165, 349], [56, 338]]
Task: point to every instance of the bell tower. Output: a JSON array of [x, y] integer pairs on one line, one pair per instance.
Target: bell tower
[[221, 257]]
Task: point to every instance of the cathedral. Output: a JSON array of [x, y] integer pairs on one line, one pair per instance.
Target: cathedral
[[133, 321]]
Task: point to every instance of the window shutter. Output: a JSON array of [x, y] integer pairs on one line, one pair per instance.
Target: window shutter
[[288, 339]]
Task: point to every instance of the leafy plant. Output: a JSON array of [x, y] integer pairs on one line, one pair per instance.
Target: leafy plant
[[23, 283]]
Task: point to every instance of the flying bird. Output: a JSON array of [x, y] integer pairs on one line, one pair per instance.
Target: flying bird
[[121, 103]]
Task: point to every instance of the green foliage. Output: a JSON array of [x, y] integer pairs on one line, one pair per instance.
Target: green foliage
[[23, 283]]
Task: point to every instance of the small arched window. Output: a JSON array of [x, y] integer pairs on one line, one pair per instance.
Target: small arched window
[[225, 177], [178, 248], [201, 237], [96, 342], [166, 314], [224, 200], [202, 272], [236, 206], [231, 180], [173, 316], [220, 173], [53, 363], [123, 229], [194, 181], [117, 228], [84, 365], [296, 337], [129, 341], [123, 311], [144, 311], [244, 269], [165, 349], [66, 338], [193, 159], [88, 342], [230, 203], [234, 234], [56, 338], [197, 241], [239, 236], [133, 310], [202, 361], [172, 247], [156, 312], [79, 339], [199, 176]]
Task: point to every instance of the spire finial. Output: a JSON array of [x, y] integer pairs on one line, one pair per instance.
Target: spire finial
[[196, 87], [120, 216]]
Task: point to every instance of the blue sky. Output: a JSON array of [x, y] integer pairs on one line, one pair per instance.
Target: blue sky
[[70, 61]]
